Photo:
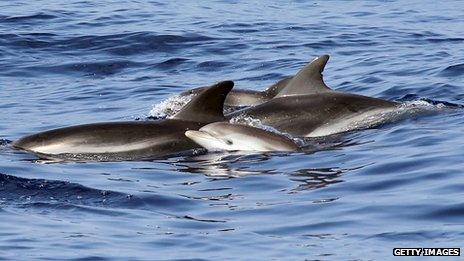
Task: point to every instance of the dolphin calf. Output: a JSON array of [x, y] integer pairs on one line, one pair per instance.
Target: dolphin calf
[[228, 136], [307, 107], [138, 140], [242, 97]]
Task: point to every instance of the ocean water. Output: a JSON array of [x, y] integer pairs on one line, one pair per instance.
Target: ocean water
[[71, 62]]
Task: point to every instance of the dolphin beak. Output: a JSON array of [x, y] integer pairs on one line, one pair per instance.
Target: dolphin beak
[[203, 138], [198, 135]]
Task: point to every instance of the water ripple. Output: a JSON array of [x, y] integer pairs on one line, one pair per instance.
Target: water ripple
[[453, 70], [55, 194], [74, 62]]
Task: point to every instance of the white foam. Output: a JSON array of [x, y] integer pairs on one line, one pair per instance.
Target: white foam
[[170, 106], [250, 121], [423, 105]]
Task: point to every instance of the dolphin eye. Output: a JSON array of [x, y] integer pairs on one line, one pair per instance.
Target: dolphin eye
[[229, 142]]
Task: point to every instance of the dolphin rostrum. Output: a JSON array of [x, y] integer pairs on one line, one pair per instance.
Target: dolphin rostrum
[[307, 107], [228, 136], [137, 140], [243, 97]]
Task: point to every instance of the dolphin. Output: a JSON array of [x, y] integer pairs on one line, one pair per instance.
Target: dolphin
[[232, 137], [307, 107], [137, 140], [243, 97]]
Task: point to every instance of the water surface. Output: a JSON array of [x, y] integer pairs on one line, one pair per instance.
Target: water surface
[[396, 185]]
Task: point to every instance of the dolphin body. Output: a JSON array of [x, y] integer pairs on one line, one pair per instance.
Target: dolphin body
[[243, 97], [307, 107], [231, 137], [139, 140]]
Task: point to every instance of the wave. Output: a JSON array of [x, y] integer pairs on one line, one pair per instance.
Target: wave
[[43, 193], [117, 44], [27, 18], [456, 70]]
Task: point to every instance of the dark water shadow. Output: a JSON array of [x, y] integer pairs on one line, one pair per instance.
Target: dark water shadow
[[55, 195]]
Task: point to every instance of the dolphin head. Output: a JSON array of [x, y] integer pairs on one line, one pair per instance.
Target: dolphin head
[[227, 136]]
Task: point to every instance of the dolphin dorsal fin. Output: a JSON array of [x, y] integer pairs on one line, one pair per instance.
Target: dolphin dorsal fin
[[208, 105], [274, 89], [308, 80]]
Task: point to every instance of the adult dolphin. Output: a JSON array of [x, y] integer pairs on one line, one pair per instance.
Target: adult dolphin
[[137, 140], [228, 136], [243, 97], [307, 107]]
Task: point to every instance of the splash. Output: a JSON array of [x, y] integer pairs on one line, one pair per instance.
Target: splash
[[426, 105], [170, 106], [250, 121], [4, 142]]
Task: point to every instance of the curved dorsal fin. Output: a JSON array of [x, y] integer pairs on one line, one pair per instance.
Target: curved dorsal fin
[[208, 105], [308, 80]]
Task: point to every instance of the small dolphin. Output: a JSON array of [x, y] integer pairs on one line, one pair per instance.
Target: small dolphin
[[242, 97], [228, 136], [307, 107], [139, 140]]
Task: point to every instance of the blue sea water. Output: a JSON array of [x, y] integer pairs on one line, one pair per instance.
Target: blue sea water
[[74, 62]]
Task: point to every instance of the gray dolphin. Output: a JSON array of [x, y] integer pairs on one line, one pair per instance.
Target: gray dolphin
[[228, 136], [137, 140], [307, 107], [243, 97]]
